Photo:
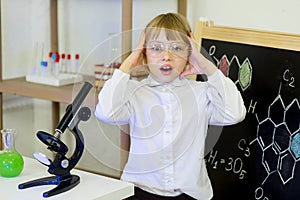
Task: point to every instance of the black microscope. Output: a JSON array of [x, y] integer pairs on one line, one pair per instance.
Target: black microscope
[[61, 166]]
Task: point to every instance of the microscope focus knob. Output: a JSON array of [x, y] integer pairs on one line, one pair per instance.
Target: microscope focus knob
[[64, 163], [84, 113]]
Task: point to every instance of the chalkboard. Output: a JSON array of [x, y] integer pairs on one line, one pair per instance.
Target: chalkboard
[[258, 158]]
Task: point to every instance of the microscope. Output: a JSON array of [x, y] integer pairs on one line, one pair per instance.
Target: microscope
[[61, 165]]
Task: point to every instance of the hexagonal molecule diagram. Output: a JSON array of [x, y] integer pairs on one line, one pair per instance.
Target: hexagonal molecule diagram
[[278, 136], [240, 73]]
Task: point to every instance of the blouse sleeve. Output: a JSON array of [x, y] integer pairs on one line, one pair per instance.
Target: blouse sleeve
[[226, 103], [112, 106]]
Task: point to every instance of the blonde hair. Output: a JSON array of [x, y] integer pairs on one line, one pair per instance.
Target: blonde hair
[[175, 26]]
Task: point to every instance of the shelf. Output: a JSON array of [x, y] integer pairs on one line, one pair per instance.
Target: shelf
[[62, 94], [20, 86]]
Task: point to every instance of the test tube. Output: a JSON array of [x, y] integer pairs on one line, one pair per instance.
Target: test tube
[[76, 63], [34, 60], [63, 62], [44, 65], [56, 65], [51, 62], [69, 63]]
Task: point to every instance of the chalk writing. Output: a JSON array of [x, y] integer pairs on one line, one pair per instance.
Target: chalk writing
[[279, 140], [259, 194], [241, 74], [230, 164], [252, 106], [289, 78], [242, 145]]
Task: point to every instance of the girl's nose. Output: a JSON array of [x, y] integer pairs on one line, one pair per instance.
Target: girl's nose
[[166, 55]]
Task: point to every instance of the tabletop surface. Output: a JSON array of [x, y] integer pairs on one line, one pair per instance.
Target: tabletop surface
[[91, 186]]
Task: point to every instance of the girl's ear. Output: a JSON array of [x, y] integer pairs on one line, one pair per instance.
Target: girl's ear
[[191, 35]]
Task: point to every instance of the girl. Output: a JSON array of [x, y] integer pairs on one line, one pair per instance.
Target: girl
[[169, 113]]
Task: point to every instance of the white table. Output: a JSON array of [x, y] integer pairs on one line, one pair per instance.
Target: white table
[[91, 186]]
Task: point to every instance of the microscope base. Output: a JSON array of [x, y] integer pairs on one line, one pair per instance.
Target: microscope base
[[64, 183]]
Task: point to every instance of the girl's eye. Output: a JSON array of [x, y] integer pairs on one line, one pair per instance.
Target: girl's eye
[[156, 47], [177, 47]]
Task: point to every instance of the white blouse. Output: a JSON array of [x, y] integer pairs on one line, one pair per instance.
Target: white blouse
[[168, 126]]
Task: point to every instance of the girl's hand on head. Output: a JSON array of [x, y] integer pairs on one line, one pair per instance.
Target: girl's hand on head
[[136, 56], [198, 64]]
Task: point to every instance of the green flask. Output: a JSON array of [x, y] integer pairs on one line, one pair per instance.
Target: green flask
[[11, 161]]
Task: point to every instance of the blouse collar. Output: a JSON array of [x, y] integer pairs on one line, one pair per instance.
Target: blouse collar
[[152, 82]]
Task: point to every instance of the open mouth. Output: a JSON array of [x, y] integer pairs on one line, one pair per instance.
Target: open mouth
[[166, 68]]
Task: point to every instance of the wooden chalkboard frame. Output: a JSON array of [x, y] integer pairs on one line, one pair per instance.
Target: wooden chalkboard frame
[[207, 30]]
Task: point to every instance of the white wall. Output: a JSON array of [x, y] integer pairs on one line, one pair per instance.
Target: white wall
[[271, 15], [84, 27]]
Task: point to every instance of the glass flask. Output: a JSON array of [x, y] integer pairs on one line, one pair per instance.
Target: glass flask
[[11, 161]]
